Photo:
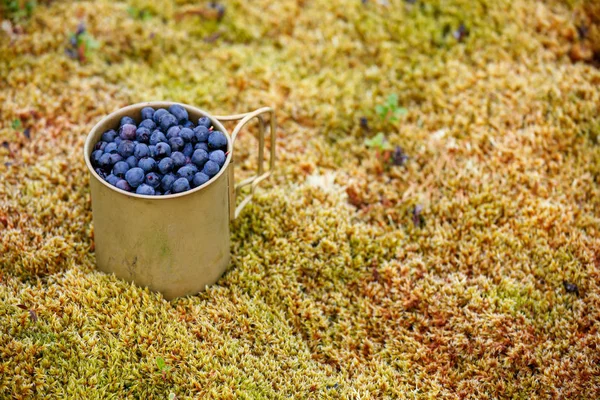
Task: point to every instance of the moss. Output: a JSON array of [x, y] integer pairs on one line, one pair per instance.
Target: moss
[[333, 291]]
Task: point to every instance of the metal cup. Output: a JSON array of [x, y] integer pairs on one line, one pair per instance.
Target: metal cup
[[175, 244]]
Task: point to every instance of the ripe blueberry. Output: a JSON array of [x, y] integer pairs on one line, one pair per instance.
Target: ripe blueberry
[[141, 150], [123, 185], [109, 135], [127, 132], [180, 185], [173, 132], [152, 150], [157, 137], [120, 169], [125, 149], [165, 165], [186, 172], [188, 150], [200, 157], [95, 157], [158, 115], [104, 161], [111, 148], [132, 161], [148, 124], [200, 179], [187, 134], [126, 120], [167, 121], [152, 179], [147, 112], [211, 168], [217, 156], [217, 140], [201, 133], [176, 143], [145, 189], [135, 177], [147, 164], [115, 158], [204, 121], [178, 159], [188, 124], [179, 112], [201, 145], [167, 181], [163, 150], [112, 179], [142, 134]]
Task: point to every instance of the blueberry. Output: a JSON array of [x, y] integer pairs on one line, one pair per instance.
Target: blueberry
[[217, 140], [100, 172], [187, 134], [109, 136], [173, 132], [123, 185], [180, 185], [167, 121], [158, 115], [178, 159], [211, 168], [201, 145], [145, 189], [95, 157], [120, 169], [188, 124], [132, 161], [163, 150], [126, 120], [147, 112], [200, 157], [187, 172], [179, 112], [152, 179], [112, 179], [176, 143], [148, 124], [127, 132], [104, 161], [165, 165], [147, 164], [205, 121], [115, 158], [188, 150], [142, 135], [118, 140], [135, 177], [152, 150], [157, 137], [141, 150], [111, 148], [201, 133], [217, 156], [125, 149], [101, 145], [167, 181], [200, 179]]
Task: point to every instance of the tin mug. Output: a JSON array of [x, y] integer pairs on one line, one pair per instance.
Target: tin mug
[[175, 244]]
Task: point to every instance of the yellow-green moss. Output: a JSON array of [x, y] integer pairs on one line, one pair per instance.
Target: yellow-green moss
[[333, 292]]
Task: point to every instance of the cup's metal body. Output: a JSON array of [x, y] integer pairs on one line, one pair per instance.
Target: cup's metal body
[[175, 244]]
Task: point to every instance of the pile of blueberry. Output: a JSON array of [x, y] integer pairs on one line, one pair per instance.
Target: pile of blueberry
[[165, 153]]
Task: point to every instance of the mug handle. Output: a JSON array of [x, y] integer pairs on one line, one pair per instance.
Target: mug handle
[[235, 189]]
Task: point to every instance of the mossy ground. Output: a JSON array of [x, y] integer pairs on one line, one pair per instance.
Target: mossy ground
[[334, 291]]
